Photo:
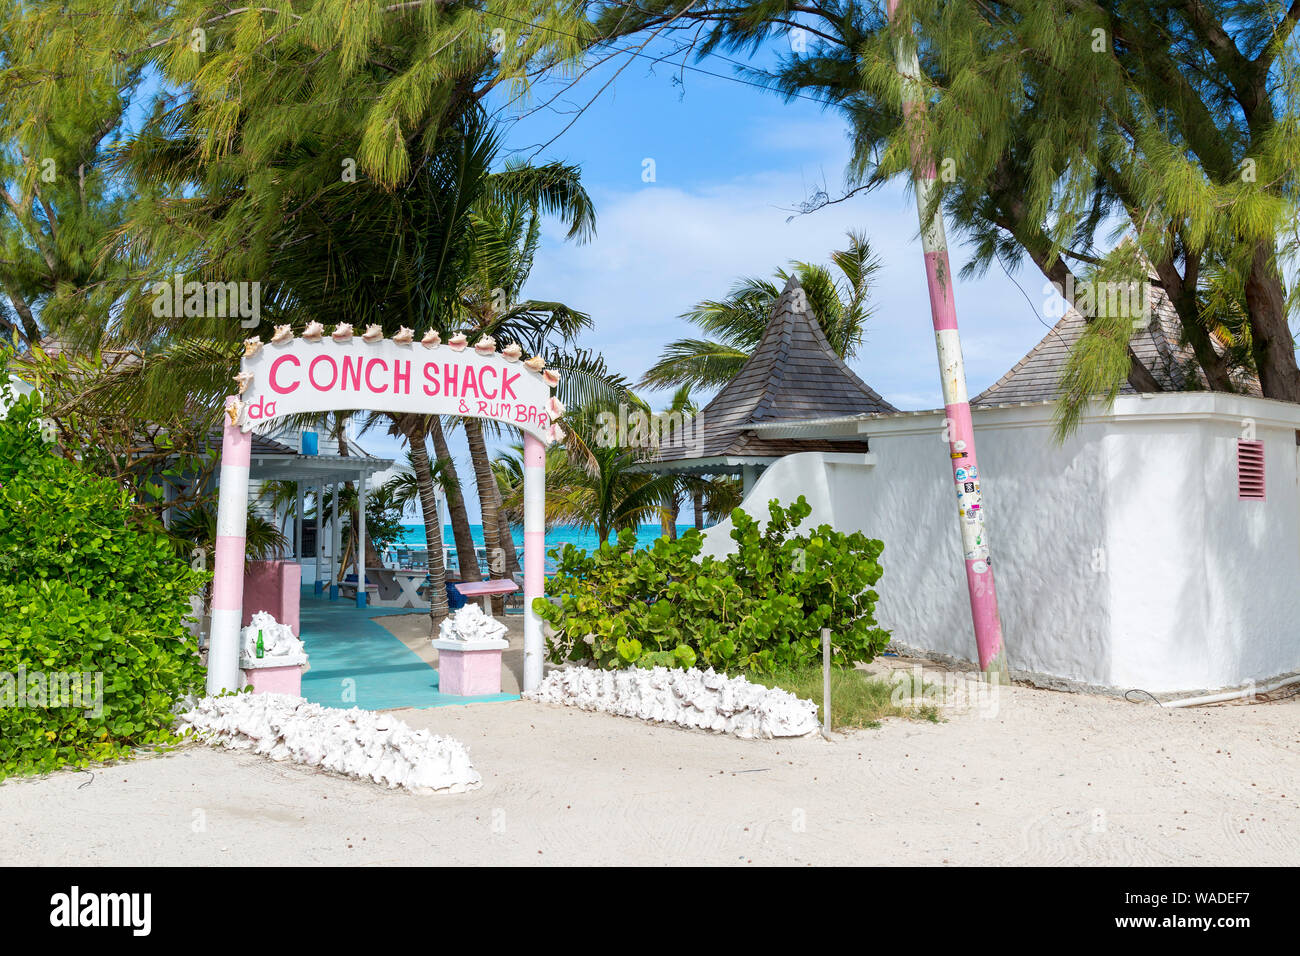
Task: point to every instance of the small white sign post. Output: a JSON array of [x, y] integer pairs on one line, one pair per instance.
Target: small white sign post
[[826, 682], [321, 374]]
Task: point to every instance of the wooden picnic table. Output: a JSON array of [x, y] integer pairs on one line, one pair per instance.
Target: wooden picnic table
[[487, 590]]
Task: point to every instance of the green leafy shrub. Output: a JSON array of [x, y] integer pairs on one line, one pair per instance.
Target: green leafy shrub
[[87, 585], [760, 608]]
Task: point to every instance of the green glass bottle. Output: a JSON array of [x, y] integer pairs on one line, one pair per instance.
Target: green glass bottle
[[261, 648]]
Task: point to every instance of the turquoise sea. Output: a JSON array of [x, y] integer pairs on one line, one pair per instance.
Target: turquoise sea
[[413, 535], [411, 545]]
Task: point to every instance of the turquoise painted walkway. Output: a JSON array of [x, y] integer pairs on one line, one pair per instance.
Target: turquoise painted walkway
[[356, 662]]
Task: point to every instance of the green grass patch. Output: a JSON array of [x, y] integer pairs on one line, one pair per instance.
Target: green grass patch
[[858, 699]]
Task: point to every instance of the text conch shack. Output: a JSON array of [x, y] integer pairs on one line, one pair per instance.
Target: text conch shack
[[306, 375]]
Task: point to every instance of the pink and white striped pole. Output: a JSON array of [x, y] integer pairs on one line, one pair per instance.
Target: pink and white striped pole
[[228, 570], [960, 431], [534, 556]]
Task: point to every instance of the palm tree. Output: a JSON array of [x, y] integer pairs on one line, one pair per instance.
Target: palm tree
[[404, 487], [507, 234], [735, 324], [282, 497], [598, 485], [467, 560], [680, 408], [607, 493], [196, 528]]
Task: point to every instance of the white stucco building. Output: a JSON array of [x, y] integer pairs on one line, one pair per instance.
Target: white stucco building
[[1158, 547]]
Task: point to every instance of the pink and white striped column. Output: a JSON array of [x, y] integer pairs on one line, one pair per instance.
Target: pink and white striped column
[[534, 556], [228, 570], [959, 429]]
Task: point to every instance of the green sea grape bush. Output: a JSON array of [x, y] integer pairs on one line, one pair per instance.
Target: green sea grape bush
[[760, 608], [86, 588]]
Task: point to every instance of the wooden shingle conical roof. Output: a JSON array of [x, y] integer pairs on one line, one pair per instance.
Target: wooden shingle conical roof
[[793, 375], [1037, 376]]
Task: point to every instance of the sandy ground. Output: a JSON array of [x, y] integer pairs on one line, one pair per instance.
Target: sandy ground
[[1049, 778]]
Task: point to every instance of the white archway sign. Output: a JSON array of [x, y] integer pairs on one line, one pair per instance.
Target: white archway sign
[[318, 373]]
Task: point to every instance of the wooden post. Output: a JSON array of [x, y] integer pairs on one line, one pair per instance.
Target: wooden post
[[826, 682]]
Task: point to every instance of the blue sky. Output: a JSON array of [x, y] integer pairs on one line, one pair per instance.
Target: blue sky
[[731, 163]]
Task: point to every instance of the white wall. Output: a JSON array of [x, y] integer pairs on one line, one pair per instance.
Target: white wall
[[1122, 557], [1219, 603], [15, 388]]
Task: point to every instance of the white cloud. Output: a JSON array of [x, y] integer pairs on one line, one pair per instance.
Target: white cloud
[[661, 248], [664, 246]]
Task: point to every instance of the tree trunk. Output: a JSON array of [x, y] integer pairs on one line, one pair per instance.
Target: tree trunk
[[697, 502], [1270, 336], [487, 501], [507, 539], [1181, 291], [432, 523], [668, 520], [354, 514], [465, 559]]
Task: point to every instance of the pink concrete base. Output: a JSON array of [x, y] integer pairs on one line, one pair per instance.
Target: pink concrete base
[[275, 680], [469, 673], [274, 587]]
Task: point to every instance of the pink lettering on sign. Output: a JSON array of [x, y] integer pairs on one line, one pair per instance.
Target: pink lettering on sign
[[461, 383], [470, 383], [263, 409], [321, 386], [351, 369], [275, 368]]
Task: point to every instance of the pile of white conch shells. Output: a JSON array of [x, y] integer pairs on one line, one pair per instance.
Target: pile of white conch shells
[[693, 698], [277, 639], [356, 743], [471, 624]]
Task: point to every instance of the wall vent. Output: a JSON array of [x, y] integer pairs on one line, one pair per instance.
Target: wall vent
[[1250, 470]]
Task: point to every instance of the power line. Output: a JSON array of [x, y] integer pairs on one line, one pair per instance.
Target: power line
[[659, 59]]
